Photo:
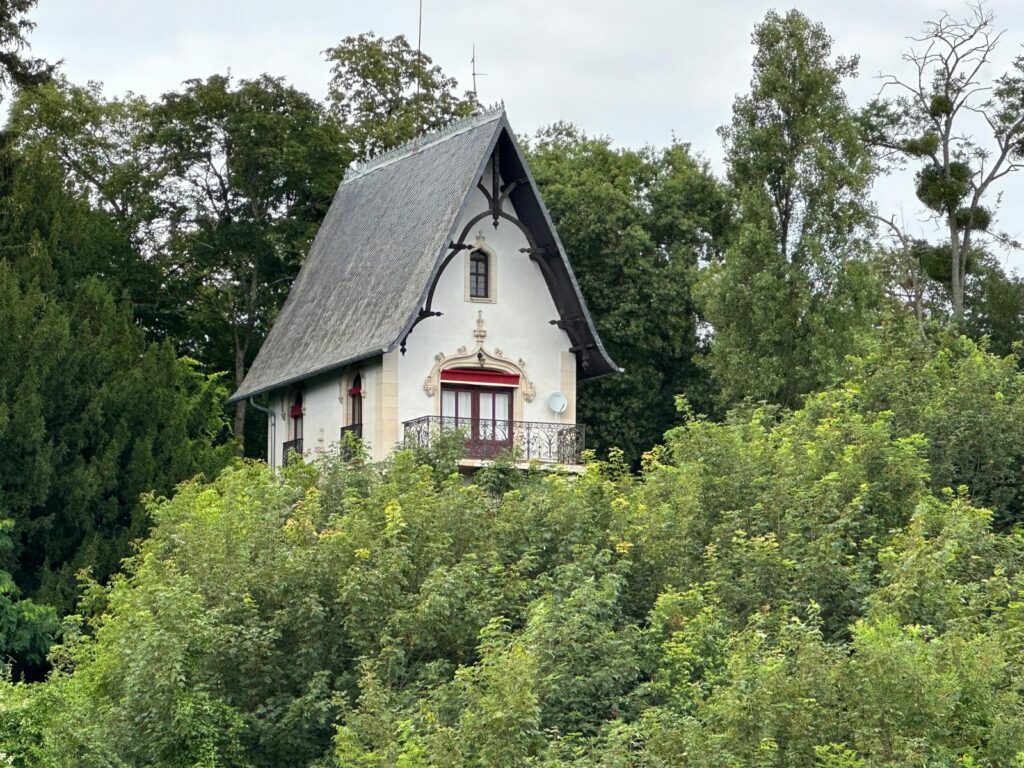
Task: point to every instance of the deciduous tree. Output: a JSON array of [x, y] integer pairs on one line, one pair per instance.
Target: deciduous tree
[[929, 122], [246, 171], [792, 291], [385, 93], [635, 223]]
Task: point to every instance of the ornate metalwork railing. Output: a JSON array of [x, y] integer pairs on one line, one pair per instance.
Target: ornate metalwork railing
[[288, 447], [345, 448], [352, 429], [487, 438]]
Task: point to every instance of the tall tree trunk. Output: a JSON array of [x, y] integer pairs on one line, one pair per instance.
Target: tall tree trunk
[[956, 276], [240, 426], [240, 406], [918, 291]]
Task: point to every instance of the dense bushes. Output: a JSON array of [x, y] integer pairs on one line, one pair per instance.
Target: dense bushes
[[781, 589]]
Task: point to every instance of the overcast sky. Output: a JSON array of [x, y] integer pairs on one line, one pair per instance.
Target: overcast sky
[[641, 72]]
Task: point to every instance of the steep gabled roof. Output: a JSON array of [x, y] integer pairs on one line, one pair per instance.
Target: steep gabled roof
[[382, 244]]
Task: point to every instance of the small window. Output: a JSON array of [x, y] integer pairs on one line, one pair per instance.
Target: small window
[[479, 275], [296, 413], [355, 394]]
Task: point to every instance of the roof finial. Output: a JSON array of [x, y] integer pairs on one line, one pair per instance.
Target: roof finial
[[419, 74]]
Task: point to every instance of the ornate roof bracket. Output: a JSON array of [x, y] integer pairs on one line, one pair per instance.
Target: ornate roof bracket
[[509, 188], [487, 194], [539, 254], [567, 322], [495, 195], [423, 315], [542, 252]]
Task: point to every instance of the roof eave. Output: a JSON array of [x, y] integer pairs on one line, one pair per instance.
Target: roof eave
[[240, 394], [612, 366]]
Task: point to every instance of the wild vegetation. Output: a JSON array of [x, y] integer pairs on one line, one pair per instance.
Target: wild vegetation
[[795, 588], [798, 541]]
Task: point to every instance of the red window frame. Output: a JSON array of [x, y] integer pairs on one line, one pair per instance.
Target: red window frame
[[296, 414], [355, 394], [480, 444]]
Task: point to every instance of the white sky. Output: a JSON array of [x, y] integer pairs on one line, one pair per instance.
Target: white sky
[[640, 72]]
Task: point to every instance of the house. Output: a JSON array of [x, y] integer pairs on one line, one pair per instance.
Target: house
[[435, 296]]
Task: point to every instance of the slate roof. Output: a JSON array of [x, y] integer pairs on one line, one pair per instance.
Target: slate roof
[[375, 256]]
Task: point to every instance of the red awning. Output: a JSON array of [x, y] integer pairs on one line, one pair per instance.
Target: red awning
[[480, 376]]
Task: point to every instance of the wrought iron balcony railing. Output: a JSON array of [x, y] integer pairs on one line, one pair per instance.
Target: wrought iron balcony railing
[[487, 438], [345, 447], [352, 429], [288, 447]]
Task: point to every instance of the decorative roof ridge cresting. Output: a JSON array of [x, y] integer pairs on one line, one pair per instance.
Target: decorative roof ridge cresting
[[481, 116]]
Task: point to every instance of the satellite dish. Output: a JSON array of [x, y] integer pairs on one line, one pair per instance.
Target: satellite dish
[[557, 402]]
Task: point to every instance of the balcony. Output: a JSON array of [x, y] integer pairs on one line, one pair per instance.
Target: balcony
[[487, 438], [352, 429], [346, 448], [288, 447]]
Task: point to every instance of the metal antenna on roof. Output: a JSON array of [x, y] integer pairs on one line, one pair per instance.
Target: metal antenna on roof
[[419, 64], [472, 61]]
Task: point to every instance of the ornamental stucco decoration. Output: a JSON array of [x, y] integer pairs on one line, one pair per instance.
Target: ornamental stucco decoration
[[480, 357]]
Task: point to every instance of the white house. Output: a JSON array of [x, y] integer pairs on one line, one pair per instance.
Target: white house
[[436, 295]]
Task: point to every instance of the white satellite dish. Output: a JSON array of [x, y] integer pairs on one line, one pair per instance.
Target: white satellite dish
[[557, 402]]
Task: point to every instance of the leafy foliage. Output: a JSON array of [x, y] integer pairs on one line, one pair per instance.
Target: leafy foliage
[[384, 93], [635, 224], [965, 401], [95, 414], [927, 120], [781, 589], [15, 68], [832, 579], [26, 628], [246, 173], [789, 296]]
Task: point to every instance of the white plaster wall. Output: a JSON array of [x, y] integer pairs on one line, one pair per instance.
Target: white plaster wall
[[326, 411], [517, 322]]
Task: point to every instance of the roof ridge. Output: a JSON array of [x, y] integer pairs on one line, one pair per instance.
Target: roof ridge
[[478, 117]]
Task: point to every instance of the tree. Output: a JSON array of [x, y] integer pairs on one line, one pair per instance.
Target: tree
[[786, 301], [26, 628], [246, 173], [782, 589], [219, 188], [967, 402], [384, 93], [995, 307], [635, 224], [927, 124], [93, 416], [15, 69], [103, 148]]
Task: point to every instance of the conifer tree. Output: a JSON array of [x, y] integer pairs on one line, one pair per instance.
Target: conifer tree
[[92, 416]]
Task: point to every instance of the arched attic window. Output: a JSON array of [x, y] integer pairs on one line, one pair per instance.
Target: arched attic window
[[479, 275]]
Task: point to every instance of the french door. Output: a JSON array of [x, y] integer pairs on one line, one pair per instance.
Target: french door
[[483, 413]]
